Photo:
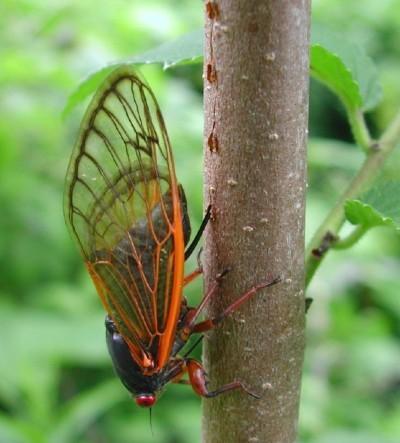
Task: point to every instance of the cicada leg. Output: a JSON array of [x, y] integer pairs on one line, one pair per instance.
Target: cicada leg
[[189, 316], [213, 322], [199, 382], [189, 278], [198, 271], [188, 326], [195, 371], [192, 313]]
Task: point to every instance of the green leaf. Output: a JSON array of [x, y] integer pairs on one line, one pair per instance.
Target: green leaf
[[11, 432], [86, 88], [84, 409], [345, 68], [342, 66], [380, 206], [183, 50]]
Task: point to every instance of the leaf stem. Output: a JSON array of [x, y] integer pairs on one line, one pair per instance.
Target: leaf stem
[[351, 239], [359, 128], [376, 155]]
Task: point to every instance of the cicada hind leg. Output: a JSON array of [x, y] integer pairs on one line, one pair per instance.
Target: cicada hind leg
[[189, 326], [199, 382]]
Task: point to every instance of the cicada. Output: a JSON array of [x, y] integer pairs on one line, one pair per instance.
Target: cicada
[[128, 215]]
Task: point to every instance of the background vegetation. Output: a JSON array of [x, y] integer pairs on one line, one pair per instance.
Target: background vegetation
[[56, 380]]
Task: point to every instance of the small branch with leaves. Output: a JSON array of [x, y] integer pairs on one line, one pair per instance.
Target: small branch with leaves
[[362, 204]]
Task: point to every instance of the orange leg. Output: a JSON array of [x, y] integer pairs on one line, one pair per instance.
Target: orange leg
[[196, 272], [213, 322], [188, 325], [198, 380], [189, 278], [193, 313], [196, 372]]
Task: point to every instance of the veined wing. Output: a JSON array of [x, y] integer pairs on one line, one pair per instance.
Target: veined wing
[[128, 214]]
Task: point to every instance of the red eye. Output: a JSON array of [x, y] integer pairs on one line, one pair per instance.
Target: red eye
[[145, 400]]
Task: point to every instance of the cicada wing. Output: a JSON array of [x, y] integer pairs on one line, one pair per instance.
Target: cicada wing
[[124, 207]]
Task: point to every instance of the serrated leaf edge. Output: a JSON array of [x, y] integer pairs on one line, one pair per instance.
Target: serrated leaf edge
[[386, 221], [347, 69]]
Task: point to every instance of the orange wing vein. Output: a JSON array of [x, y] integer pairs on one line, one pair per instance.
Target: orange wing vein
[[128, 214]]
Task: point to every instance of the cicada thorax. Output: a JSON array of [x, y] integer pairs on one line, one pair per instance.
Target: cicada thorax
[[136, 266]]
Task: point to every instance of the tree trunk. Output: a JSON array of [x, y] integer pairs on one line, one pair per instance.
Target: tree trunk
[[256, 109]]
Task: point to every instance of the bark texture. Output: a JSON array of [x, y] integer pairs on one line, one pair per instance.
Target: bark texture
[[256, 111]]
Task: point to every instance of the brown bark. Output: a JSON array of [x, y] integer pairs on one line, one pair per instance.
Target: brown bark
[[256, 109]]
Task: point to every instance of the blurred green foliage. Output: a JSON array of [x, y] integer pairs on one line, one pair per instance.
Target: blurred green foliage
[[56, 381]]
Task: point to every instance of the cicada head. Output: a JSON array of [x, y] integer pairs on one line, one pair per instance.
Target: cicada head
[[146, 400]]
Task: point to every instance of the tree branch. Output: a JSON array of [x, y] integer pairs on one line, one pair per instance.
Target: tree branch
[[256, 112]]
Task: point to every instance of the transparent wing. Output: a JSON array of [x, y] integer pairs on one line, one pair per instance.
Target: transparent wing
[[125, 209]]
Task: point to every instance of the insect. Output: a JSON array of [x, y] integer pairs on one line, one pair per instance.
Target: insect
[[128, 214]]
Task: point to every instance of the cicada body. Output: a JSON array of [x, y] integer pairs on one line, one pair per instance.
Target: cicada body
[[128, 214]]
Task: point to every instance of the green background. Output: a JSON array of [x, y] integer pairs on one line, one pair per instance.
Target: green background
[[56, 380]]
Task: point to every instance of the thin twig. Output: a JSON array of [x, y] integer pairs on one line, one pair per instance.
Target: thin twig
[[376, 156]]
